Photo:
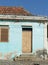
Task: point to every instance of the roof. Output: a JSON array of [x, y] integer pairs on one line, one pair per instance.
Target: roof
[[5, 10], [18, 13]]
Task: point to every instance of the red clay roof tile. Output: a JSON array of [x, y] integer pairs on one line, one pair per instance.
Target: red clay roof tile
[[14, 11]]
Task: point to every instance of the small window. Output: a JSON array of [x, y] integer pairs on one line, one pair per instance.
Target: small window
[[4, 33]]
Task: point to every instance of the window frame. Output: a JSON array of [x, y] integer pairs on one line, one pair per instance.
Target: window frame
[[4, 27]]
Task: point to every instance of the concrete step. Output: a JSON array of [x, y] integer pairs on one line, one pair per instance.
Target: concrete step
[[28, 58], [26, 55]]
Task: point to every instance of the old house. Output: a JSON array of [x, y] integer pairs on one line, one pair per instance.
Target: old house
[[21, 32]]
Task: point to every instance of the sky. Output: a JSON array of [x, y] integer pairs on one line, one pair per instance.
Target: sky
[[36, 7]]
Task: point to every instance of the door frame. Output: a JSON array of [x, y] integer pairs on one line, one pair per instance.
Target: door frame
[[31, 36]]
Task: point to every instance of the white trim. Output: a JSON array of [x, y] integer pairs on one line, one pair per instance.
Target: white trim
[[47, 40], [23, 17], [45, 36]]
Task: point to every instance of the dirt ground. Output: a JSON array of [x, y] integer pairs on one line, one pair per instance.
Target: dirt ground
[[22, 62]]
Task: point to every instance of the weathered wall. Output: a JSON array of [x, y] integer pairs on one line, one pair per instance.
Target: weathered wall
[[37, 35], [15, 37]]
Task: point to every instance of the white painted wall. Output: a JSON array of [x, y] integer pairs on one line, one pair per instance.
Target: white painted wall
[[45, 36]]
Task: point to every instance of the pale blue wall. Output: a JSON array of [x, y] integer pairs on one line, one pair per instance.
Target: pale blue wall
[[15, 37], [37, 34], [38, 39]]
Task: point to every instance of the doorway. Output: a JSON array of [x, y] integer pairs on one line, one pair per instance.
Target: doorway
[[26, 40]]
